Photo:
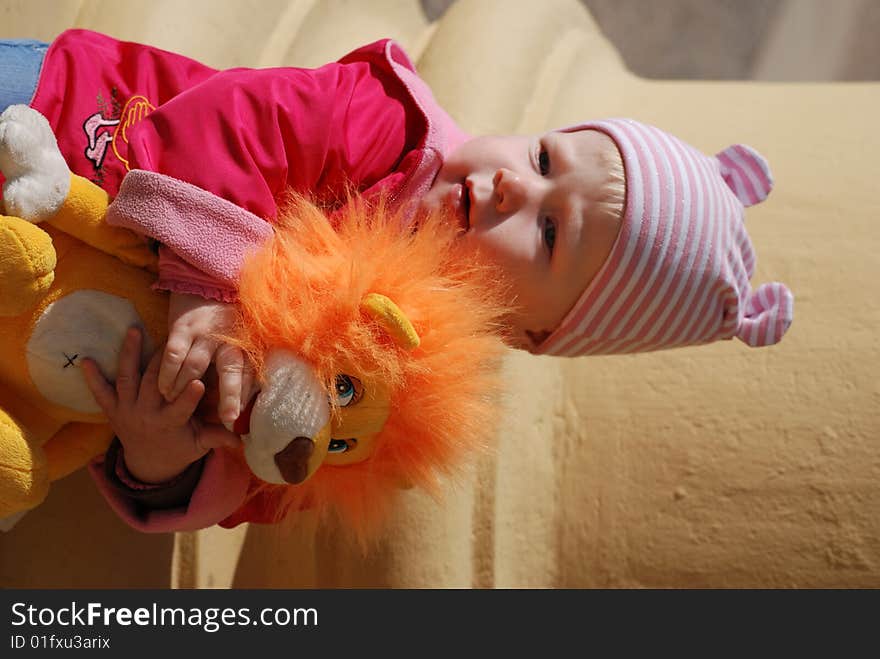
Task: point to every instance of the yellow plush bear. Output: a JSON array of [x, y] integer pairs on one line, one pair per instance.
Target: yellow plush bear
[[69, 286]]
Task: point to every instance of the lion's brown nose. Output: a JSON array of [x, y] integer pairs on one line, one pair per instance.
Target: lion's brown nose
[[293, 460]]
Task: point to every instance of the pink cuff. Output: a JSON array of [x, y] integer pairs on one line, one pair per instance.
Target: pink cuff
[[178, 276], [207, 231], [126, 478], [220, 491]]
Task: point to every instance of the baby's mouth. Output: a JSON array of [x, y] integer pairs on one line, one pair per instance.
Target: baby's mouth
[[459, 202]]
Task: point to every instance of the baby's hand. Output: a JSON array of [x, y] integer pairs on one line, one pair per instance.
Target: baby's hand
[[160, 439], [191, 347]]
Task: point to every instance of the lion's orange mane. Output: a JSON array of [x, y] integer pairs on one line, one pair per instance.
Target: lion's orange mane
[[303, 292]]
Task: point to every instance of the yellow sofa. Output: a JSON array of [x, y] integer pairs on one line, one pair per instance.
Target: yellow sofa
[[719, 466]]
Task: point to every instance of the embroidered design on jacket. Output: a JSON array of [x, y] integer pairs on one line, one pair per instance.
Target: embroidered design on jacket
[[98, 141], [136, 108]]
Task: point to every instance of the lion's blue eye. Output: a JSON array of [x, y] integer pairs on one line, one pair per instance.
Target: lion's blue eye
[[340, 445], [344, 390], [348, 390]]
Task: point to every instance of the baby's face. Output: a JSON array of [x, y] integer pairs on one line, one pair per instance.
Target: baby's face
[[530, 204]]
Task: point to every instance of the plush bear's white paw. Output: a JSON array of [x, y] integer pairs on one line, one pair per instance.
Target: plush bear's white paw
[[37, 178]]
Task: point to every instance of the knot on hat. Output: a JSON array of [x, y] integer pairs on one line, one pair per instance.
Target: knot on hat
[[767, 315]]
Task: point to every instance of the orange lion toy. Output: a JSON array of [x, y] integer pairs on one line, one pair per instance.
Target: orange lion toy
[[379, 353]]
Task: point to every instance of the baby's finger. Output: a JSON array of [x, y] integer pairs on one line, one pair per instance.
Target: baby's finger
[[149, 393], [194, 366], [102, 391], [178, 412], [176, 350], [128, 373], [213, 435], [248, 388], [230, 373]]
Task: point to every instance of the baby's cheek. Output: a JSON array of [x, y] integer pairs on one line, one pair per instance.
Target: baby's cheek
[[502, 248]]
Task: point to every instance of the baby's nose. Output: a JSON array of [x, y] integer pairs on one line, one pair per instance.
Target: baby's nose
[[510, 191]]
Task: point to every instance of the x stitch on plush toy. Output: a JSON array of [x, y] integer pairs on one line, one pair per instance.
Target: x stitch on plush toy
[[373, 377]]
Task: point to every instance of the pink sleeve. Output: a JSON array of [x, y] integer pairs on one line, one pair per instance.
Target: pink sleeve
[[209, 233], [221, 490], [241, 140]]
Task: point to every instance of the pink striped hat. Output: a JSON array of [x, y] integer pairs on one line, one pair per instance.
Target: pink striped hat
[[678, 273]]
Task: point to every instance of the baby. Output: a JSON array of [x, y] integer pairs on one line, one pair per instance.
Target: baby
[[614, 236]]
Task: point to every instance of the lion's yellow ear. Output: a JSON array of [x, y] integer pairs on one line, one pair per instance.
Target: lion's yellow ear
[[391, 319]]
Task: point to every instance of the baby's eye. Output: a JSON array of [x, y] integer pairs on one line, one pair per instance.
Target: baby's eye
[[549, 233], [348, 390], [544, 162]]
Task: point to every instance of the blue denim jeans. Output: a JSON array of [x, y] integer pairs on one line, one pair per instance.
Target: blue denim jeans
[[20, 64]]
